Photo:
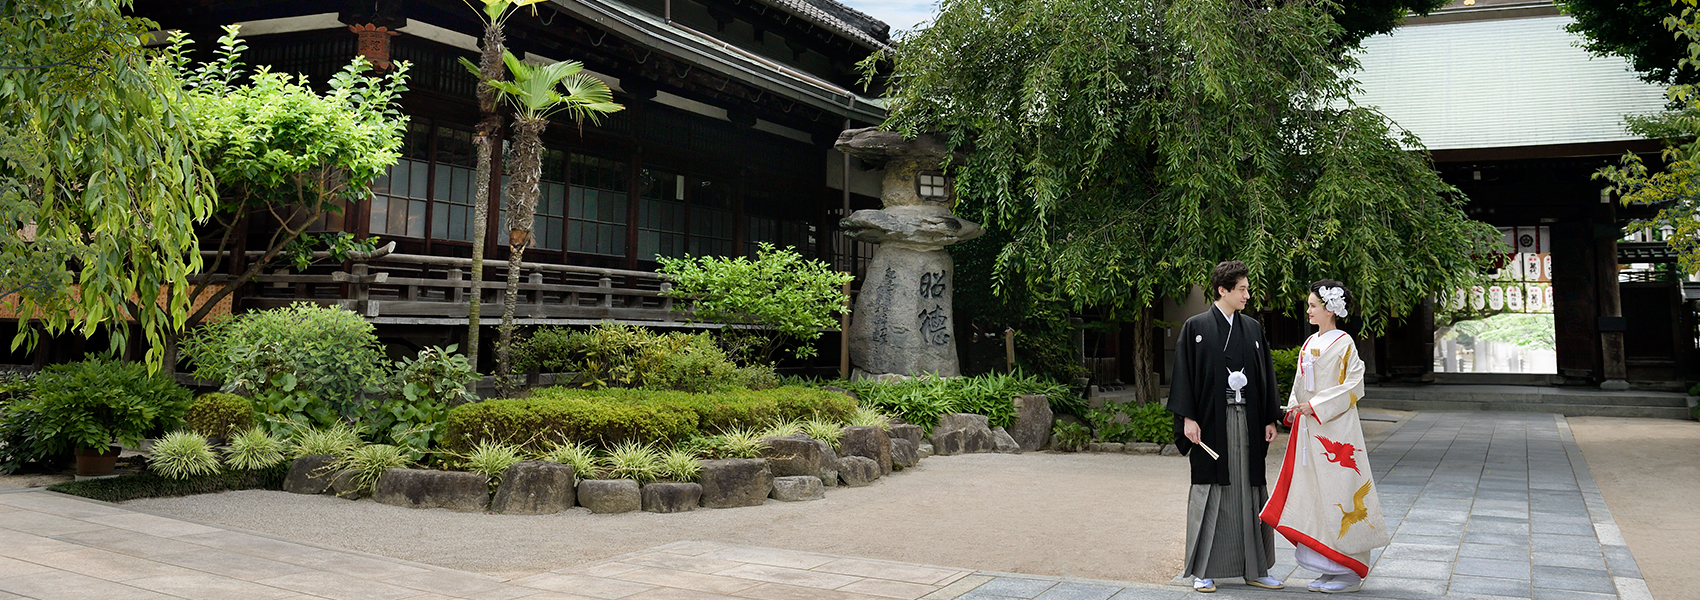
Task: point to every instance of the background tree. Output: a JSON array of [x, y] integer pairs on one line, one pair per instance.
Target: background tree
[[99, 187], [490, 49], [536, 96], [1676, 189], [1127, 146], [1633, 29]]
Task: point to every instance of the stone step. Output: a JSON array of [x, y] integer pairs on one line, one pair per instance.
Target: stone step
[[1573, 402]]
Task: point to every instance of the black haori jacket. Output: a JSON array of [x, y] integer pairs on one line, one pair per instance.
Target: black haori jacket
[[1199, 391]]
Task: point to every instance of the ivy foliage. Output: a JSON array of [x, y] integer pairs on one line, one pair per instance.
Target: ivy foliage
[[1129, 145], [778, 297], [1676, 189], [98, 178]]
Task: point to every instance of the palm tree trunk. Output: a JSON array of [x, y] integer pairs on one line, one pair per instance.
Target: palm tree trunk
[[522, 198], [489, 126]]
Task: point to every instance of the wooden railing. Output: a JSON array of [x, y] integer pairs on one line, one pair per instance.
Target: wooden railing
[[420, 289]]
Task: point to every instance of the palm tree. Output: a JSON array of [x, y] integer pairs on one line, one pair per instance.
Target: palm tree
[[536, 94], [495, 15]]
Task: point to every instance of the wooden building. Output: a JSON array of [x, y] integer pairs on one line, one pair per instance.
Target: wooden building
[[731, 109]]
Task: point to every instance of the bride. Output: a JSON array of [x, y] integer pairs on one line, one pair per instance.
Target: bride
[[1324, 501]]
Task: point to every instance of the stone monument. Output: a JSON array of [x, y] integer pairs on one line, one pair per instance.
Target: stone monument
[[902, 320]]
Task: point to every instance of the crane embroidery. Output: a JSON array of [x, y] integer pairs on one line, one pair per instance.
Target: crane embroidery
[[1358, 512], [1341, 453]]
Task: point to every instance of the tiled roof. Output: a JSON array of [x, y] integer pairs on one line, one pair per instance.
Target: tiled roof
[[839, 18]]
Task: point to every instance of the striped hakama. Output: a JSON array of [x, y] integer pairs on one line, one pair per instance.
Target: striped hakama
[[1224, 537]]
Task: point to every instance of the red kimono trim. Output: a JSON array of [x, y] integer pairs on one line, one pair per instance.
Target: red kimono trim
[[1278, 503]]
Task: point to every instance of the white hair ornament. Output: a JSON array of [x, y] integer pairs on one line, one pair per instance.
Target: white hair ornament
[[1333, 299]]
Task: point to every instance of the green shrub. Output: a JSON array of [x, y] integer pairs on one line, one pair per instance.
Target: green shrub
[[580, 457], [369, 463], [421, 392], [1129, 422], [1152, 422], [605, 417], [921, 400], [636, 461], [1070, 437], [183, 454], [315, 364], [89, 404], [154, 485], [1286, 367], [18, 447], [680, 466], [624, 356], [254, 449], [789, 299], [219, 414]]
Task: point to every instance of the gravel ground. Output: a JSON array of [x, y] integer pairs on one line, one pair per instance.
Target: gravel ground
[[1101, 516], [1647, 473]]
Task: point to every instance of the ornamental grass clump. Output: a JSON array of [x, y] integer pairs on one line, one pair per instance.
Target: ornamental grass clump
[[369, 463], [681, 466], [735, 442], [491, 459], [334, 440], [633, 460], [825, 430], [782, 429], [183, 454], [254, 449], [581, 458], [867, 416]]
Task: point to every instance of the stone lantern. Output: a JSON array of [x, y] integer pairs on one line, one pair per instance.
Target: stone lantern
[[902, 321]]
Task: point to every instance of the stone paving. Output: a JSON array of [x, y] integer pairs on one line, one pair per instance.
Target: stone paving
[[1485, 505]]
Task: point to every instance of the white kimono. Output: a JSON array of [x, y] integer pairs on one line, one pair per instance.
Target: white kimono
[[1325, 501]]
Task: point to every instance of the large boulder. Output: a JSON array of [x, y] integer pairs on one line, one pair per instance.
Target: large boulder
[[869, 442], [828, 464], [951, 421], [799, 488], [608, 496], [978, 440], [344, 485], [535, 487], [666, 497], [907, 432], [310, 474], [735, 482], [903, 454], [857, 471], [1003, 443], [1032, 426], [949, 443], [419, 488], [788, 457]]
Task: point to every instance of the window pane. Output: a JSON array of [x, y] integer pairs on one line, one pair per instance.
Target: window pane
[[416, 218], [380, 216], [416, 184]]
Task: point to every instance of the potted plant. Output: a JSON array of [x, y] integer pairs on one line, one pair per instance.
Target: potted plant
[[84, 407]]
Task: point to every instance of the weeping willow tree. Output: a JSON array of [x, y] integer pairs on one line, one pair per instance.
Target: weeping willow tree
[[1127, 146]]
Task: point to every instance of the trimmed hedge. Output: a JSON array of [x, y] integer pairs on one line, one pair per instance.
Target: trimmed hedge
[[609, 416], [153, 485]]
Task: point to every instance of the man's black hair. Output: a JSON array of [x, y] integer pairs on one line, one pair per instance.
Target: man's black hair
[[1227, 275]]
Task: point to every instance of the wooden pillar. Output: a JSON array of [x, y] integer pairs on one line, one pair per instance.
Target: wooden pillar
[[1611, 322]]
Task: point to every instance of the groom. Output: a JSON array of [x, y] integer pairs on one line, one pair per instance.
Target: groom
[[1225, 402]]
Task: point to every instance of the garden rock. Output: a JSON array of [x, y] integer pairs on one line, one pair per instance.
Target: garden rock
[[344, 486], [1170, 450], [1003, 443], [796, 489], [907, 432], [1141, 448], [951, 421], [735, 482], [1104, 447], [978, 440], [535, 487], [419, 488], [608, 496], [949, 443], [671, 497], [903, 455], [857, 471], [869, 442], [925, 449], [788, 457], [1032, 426], [310, 474]]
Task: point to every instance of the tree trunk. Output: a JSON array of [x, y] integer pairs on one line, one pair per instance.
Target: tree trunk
[[522, 198], [489, 126], [1144, 376]]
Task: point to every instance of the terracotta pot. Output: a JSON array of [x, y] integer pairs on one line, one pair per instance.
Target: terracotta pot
[[92, 462]]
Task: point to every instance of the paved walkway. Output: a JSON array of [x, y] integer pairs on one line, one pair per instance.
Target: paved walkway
[[1485, 505]]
